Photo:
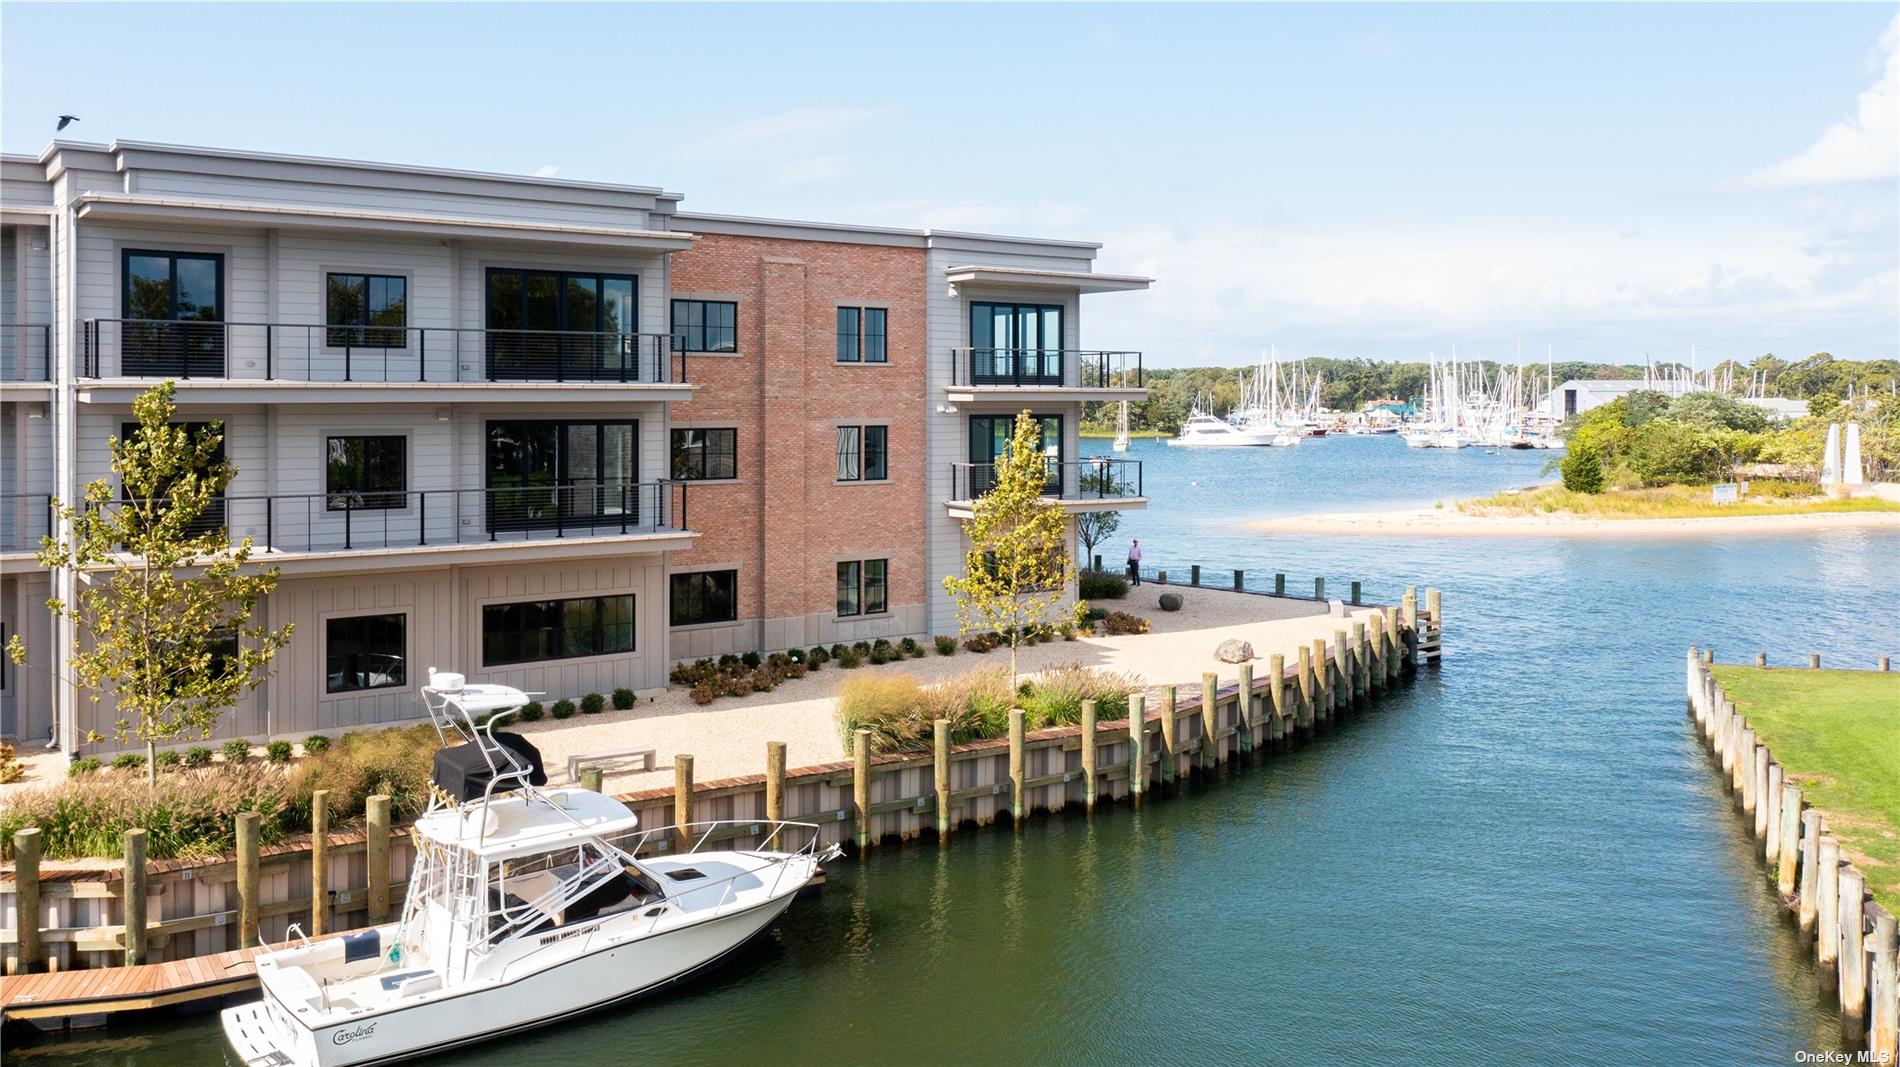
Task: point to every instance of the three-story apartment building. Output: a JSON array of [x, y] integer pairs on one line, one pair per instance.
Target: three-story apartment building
[[549, 433]]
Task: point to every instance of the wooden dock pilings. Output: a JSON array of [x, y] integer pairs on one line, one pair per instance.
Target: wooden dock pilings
[[1852, 935]]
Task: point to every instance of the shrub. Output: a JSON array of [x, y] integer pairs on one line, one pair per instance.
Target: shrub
[[623, 699], [818, 656], [704, 693], [884, 655], [236, 750], [1582, 470], [1067, 630], [862, 648], [11, 769], [1096, 614], [946, 645], [736, 685], [794, 670], [82, 765], [168, 759], [888, 705], [185, 815], [728, 661], [909, 646], [198, 756], [1055, 696], [836, 651], [532, 711], [750, 660], [879, 643], [395, 762], [128, 761], [1120, 622], [562, 709], [593, 704], [796, 655], [848, 659], [763, 681], [1101, 585], [277, 752], [314, 744], [684, 673]]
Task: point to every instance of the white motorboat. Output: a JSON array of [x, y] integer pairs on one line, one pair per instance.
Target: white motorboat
[[1205, 431], [1432, 438], [525, 906]]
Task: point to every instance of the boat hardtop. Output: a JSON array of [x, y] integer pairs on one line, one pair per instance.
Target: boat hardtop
[[515, 825]]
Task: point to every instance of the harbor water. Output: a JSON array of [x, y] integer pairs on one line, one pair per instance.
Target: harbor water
[[1521, 858]]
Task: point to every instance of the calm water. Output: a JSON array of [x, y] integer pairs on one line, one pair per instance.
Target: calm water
[[1523, 858]]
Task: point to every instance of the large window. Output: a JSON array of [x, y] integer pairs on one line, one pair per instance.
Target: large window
[[174, 304], [213, 516], [863, 455], [556, 629], [365, 652], [548, 473], [705, 596], [990, 435], [861, 335], [862, 589], [366, 311], [547, 324], [366, 472], [705, 454], [706, 325], [1016, 343]]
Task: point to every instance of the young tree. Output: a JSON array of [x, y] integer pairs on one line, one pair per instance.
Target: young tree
[[1016, 574], [1093, 528], [165, 609]]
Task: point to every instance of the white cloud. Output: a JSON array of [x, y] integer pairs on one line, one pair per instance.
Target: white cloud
[[546, 170], [1859, 148], [801, 146]]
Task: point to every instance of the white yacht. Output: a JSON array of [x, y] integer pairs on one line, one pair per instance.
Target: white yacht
[[526, 906], [1433, 437], [1206, 431]]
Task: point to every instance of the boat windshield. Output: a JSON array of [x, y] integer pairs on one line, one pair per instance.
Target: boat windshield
[[560, 887]]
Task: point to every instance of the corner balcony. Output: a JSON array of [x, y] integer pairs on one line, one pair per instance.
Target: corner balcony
[[323, 533], [1076, 486], [237, 362], [1045, 374]]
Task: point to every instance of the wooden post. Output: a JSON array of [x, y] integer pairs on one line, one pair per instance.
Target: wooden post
[[682, 795], [1827, 930], [1708, 656], [1853, 976], [1240, 580], [30, 952], [1279, 583], [319, 862], [1394, 645], [1375, 654], [1722, 746], [1758, 786], [1362, 672], [1210, 719], [1883, 1039], [1016, 765], [775, 782], [1788, 862], [133, 901], [1355, 592], [1753, 757], [1768, 815], [1319, 588], [1326, 690], [376, 853], [1408, 608], [1814, 661], [1808, 908], [1243, 708], [593, 780], [1137, 763], [1088, 755], [1194, 574], [1761, 659], [1883, 665], [1342, 670], [940, 775], [1277, 725], [861, 784], [1170, 759], [247, 824], [1305, 672]]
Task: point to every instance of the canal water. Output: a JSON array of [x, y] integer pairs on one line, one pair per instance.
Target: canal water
[[1521, 858]]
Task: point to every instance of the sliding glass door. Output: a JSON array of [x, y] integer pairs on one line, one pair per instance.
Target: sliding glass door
[[562, 474], [989, 438], [552, 325], [174, 311], [1016, 343]]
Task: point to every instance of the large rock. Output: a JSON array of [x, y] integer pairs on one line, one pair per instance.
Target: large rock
[[1170, 602], [1233, 651]]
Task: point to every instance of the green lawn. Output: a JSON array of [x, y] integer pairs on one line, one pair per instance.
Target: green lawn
[[1837, 734]]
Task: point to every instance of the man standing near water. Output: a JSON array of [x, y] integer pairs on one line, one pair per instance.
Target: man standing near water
[[1134, 562]]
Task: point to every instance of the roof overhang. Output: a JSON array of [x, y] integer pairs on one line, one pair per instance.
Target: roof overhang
[[1076, 281], [123, 208], [21, 216]]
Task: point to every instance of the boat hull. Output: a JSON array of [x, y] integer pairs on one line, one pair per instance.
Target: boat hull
[[613, 971]]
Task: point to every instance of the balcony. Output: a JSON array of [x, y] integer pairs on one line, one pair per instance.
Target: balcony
[[1047, 373], [310, 531], [24, 519], [402, 362], [26, 355], [1095, 484]]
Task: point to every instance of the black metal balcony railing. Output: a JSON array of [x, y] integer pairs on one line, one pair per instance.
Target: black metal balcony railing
[[355, 522], [146, 348], [1045, 367], [26, 353], [24, 519], [1097, 478]]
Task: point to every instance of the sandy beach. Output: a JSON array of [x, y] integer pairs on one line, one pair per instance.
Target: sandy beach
[[1450, 522]]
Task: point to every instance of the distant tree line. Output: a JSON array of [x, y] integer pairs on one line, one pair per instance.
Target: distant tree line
[[1351, 383]]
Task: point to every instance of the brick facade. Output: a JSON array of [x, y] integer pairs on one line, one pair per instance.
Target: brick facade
[[786, 393]]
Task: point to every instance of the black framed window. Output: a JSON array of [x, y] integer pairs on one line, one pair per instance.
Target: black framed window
[[536, 630], [366, 310], [365, 652], [706, 325], [366, 473], [863, 588], [863, 453], [861, 335], [555, 325], [704, 596], [174, 304], [1015, 343], [991, 434], [213, 516], [550, 473], [705, 454]]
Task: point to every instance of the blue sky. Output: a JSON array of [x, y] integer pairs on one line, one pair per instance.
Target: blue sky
[[1376, 181]]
